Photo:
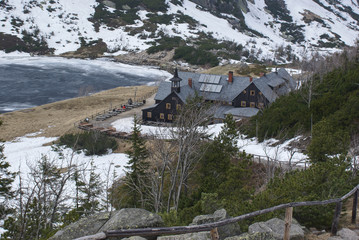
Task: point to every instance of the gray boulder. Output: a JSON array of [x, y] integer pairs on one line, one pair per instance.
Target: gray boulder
[[276, 227], [85, 226], [335, 238], [254, 236], [347, 234], [129, 218], [224, 231], [134, 238], [188, 236], [125, 218]]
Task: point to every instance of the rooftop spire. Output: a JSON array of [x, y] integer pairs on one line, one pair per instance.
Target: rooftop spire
[[175, 82]]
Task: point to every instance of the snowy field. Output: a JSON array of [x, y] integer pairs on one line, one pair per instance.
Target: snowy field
[[26, 151], [252, 146]]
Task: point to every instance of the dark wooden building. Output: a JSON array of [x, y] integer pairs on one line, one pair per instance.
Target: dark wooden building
[[239, 96]]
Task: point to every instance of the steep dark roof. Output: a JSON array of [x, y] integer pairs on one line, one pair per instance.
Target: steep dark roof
[[229, 91]]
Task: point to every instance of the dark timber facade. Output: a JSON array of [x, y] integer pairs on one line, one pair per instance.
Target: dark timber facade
[[239, 96]]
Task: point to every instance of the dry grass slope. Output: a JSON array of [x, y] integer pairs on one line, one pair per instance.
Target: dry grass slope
[[56, 119]]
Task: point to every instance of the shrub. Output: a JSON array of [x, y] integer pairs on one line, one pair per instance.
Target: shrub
[[92, 143], [322, 181], [165, 43], [156, 5], [160, 19], [195, 56]]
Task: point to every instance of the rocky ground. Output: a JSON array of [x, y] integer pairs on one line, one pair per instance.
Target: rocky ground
[[132, 218]]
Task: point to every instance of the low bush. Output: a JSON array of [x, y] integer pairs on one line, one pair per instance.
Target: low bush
[[196, 56], [92, 143]]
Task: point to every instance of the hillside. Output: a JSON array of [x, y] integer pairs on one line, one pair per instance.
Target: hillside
[[265, 30], [324, 108]]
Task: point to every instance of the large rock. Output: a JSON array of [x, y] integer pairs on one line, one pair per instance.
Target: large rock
[[276, 226], [129, 218], [224, 231], [85, 226], [188, 236], [125, 218], [254, 236], [347, 234]]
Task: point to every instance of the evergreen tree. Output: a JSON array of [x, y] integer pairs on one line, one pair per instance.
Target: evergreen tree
[[91, 191], [137, 165], [216, 160], [6, 179]]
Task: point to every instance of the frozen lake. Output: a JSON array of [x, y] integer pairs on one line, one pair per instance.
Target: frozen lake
[[31, 81]]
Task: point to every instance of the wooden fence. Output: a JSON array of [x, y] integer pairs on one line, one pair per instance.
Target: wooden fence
[[213, 226], [285, 165], [93, 116]]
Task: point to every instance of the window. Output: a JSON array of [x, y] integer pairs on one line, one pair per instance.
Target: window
[[244, 91], [178, 106], [169, 117], [252, 93], [261, 105], [168, 105], [260, 93], [243, 104], [252, 104], [162, 116], [149, 114]]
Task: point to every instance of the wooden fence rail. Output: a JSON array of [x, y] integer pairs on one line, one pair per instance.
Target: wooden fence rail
[[212, 226]]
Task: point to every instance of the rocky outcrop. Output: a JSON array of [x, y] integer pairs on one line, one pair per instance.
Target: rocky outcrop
[[223, 232], [123, 219], [188, 236], [163, 59], [345, 234], [129, 218], [254, 236], [276, 227], [223, 6], [93, 50], [83, 227]]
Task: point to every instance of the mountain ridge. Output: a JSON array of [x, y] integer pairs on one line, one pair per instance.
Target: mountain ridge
[[261, 30]]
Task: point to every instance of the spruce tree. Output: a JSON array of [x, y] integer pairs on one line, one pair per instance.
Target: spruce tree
[[91, 191], [217, 157], [6, 179], [137, 165]]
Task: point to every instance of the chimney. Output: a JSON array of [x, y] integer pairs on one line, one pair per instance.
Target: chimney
[[190, 82], [250, 79], [230, 77]]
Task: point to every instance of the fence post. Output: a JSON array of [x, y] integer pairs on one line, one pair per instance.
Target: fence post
[[338, 209], [288, 222], [355, 205], [214, 234]]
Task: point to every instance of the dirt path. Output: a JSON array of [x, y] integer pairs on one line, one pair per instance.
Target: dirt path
[[138, 111], [56, 119]]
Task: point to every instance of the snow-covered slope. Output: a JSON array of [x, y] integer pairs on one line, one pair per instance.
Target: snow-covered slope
[[266, 29]]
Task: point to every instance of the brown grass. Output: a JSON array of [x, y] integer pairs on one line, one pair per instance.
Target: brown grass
[[56, 119], [254, 70]]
